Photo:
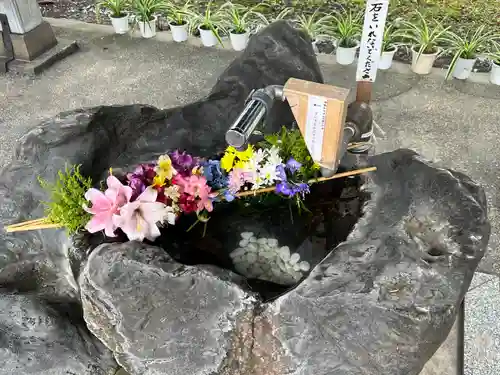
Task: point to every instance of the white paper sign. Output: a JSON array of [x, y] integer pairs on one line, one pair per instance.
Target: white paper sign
[[371, 40], [315, 126]]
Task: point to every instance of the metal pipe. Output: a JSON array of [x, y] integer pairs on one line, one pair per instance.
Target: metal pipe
[[257, 107]]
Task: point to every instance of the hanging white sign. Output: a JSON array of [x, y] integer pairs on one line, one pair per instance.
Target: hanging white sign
[[371, 40]]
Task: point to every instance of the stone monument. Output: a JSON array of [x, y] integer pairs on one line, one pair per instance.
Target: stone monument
[[34, 43]]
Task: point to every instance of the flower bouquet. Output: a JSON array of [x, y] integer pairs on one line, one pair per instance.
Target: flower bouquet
[[155, 194]]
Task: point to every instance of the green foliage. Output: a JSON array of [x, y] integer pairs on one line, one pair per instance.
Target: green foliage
[[479, 41], [145, 10], [293, 145], [208, 19], [347, 28], [315, 25], [239, 18], [116, 7], [177, 13], [67, 197]]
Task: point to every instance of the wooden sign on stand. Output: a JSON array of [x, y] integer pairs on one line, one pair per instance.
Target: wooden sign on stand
[[370, 48]]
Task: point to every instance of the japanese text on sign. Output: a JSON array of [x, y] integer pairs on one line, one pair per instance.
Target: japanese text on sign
[[371, 40]]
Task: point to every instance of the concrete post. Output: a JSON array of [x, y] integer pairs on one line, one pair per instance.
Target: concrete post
[[30, 35]]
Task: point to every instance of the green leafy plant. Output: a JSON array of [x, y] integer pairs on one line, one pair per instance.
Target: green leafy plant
[[390, 38], [426, 38], [67, 197], [316, 27], [117, 8], [145, 10], [293, 145], [241, 19], [347, 29], [208, 20], [178, 14], [495, 55], [283, 14], [468, 47]]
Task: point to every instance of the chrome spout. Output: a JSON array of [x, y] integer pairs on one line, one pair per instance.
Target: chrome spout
[[254, 115]]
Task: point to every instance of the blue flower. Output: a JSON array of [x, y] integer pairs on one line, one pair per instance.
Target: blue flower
[[280, 172], [228, 196], [293, 165], [214, 174], [291, 190]]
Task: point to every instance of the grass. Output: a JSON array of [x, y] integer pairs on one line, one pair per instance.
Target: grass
[[460, 15]]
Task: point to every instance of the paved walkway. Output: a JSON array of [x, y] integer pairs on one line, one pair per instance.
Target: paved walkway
[[454, 123]]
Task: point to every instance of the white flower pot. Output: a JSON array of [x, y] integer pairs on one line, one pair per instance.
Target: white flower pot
[[463, 68], [208, 38], [495, 73], [422, 65], [386, 59], [148, 29], [239, 41], [120, 24], [346, 56], [179, 32]]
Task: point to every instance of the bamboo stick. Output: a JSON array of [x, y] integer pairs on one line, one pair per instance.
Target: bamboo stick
[[28, 222], [32, 227], [321, 179]]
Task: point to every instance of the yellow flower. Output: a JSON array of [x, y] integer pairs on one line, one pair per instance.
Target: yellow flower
[[241, 164], [197, 171], [227, 161], [244, 155], [164, 170]]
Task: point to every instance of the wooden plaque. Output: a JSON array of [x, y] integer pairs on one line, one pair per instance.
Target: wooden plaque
[[320, 112]]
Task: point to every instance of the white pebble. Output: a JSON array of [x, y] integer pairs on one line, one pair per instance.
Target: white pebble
[[294, 258], [272, 242], [243, 243], [296, 267], [252, 247], [238, 252], [253, 239], [251, 257], [246, 235], [266, 254], [304, 266], [262, 241], [284, 253]]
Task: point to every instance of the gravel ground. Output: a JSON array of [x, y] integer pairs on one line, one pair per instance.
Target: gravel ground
[[82, 10]]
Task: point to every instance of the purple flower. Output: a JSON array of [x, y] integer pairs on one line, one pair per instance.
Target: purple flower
[[141, 178], [280, 172], [293, 165], [229, 196], [290, 190], [183, 162], [285, 189]]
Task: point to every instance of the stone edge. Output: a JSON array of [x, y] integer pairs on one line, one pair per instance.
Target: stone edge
[[165, 36]]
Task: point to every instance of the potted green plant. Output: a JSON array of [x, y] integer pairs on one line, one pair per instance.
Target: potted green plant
[[347, 31], [145, 12], [426, 40], [465, 50], [240, 21], [495, 65], [280, 16], [118, 13], [177, 16], [209, 23], [316, 27], [389, 47]]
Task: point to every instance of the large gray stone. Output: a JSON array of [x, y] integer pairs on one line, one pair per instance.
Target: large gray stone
[[36, 338], [382, 302]]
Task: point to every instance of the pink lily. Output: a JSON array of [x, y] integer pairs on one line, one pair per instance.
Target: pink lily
[[105, 205], [138, 219]]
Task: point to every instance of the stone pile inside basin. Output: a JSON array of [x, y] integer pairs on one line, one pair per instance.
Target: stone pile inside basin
[[264, 259]]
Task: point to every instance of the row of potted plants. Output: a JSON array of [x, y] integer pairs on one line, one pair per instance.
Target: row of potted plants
[[426, 40]]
